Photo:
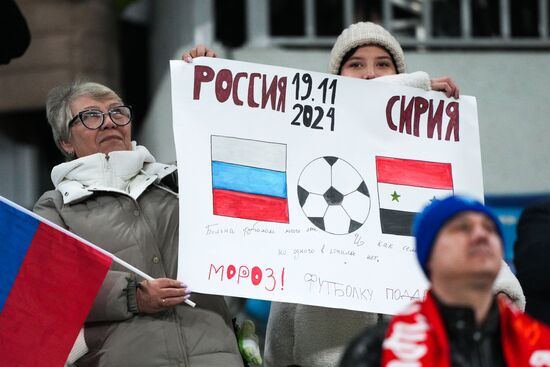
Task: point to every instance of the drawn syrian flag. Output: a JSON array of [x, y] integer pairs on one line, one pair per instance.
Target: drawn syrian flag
[[249, 179], [405, 186]]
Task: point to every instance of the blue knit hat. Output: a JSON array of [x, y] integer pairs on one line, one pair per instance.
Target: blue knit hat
[[429, 222]]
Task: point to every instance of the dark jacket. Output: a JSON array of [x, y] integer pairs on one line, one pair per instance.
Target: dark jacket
[[14, 32], [473, 346], [470, 346], [532, 258], [365, 350]]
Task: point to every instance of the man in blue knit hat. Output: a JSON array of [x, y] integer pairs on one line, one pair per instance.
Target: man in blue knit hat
[[461, 322]]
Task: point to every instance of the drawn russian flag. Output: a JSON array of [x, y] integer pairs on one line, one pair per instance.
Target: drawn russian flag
[[48, 282], [249, 179], [405, 186]]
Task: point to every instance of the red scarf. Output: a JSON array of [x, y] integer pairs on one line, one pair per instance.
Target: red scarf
[[418, 338]]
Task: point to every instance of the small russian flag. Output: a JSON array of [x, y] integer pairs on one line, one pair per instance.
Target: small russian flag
[[48, 282], [249, 179]]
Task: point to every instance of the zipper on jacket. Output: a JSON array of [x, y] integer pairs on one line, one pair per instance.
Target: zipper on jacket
[[108, 172]]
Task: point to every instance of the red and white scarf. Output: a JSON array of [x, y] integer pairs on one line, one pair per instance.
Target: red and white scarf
[[418, 338]]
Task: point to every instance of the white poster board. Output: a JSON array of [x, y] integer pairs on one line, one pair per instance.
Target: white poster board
[[301, 187]]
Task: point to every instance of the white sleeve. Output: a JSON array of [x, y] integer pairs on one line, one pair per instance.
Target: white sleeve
[[418, 79], [508, 284]]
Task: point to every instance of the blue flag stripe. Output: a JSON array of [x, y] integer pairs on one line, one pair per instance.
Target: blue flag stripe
[[17, 230], [247, 179]]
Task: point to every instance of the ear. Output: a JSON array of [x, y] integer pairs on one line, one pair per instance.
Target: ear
[[67, 147]]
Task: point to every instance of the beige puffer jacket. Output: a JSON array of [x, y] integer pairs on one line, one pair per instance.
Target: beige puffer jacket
[[143, 232]]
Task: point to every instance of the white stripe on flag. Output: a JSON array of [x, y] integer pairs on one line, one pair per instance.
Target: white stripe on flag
[[251, 153], [407, 198]]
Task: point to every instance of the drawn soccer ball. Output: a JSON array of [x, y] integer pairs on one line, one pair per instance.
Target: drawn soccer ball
[[333, 195]]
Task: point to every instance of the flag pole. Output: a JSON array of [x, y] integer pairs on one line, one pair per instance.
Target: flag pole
[[86, 242]]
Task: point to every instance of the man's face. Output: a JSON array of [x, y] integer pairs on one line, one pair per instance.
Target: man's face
[[468, 248]]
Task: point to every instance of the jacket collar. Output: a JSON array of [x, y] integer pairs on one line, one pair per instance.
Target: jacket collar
[[125, 172], [460, 320]]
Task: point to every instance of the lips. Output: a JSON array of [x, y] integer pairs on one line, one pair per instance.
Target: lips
[[482, 251], [103, 139]]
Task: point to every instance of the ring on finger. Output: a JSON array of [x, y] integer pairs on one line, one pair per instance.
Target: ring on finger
[[163, 301]]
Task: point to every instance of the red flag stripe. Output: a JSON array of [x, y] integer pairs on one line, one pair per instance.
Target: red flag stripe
[[250, 206], [50, 299], [414, 173]]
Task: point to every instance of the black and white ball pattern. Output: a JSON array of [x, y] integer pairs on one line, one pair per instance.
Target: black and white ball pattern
[[333, 195]]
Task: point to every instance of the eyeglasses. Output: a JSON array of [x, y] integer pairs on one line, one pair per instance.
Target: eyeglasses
[[94, 119]]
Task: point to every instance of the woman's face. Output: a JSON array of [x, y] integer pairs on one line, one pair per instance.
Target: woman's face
[[369, 62], [108, 138]]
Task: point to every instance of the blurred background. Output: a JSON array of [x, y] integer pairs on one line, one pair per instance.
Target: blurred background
[[496, 50]]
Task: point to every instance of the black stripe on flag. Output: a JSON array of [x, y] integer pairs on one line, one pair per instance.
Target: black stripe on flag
[[396, 222]]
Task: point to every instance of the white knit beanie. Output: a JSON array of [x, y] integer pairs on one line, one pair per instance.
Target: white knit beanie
[[363, 34]]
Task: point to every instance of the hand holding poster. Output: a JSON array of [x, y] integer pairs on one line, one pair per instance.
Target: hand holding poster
[[301, 187]]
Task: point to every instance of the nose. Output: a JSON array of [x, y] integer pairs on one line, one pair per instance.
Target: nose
[[369, 73], [108, 122], [480, 232]]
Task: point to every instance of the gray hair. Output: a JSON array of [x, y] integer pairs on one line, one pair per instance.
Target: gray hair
[[58, 107]]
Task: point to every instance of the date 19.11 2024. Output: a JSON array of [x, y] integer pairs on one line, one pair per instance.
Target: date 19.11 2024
[[310, 114]]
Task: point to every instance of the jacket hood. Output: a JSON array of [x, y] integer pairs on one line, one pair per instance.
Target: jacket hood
[[129, 172]]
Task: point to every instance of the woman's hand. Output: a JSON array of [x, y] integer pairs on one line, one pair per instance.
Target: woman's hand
[[446, 85], [160, 294], [198, 50]]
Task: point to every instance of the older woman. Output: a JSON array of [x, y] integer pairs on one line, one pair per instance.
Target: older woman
[[113, 193]]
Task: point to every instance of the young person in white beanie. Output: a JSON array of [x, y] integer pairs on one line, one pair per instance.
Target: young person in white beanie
[[301, 335], [366, 50]]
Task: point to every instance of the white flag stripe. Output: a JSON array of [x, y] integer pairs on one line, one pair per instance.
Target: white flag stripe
[[407, 198], [251, 153]]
